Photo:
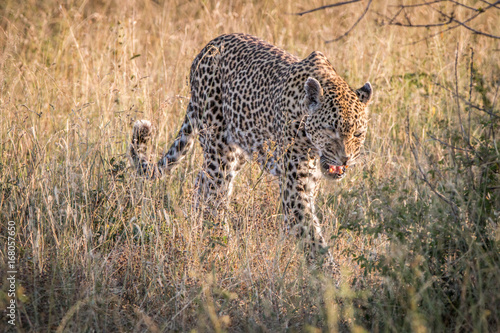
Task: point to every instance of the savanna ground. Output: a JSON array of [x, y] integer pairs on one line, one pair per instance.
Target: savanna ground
[[415, 226]]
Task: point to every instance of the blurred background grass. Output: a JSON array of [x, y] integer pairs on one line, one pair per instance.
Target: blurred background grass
[[415, 227]]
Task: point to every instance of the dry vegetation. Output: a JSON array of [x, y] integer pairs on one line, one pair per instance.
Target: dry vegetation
[[415, 227]]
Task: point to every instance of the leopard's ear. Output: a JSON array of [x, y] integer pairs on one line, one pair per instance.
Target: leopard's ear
[[365, 93], [314, 93]]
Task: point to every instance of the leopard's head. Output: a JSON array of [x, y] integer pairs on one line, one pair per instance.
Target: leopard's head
[[336, 122]]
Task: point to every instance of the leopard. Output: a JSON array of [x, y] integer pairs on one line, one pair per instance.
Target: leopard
[[253, 101]]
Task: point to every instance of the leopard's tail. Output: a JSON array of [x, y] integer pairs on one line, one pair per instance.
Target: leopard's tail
[[138, 148]]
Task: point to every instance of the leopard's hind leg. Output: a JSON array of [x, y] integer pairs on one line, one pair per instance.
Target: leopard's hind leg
[[221, 164]]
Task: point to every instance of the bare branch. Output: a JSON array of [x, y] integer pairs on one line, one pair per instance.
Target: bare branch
[[354, 25], [449, 18], [465, 6], [392, 19], [433, 35], [468, 103], [326, 6], [468, 27], [430, 25], [418, 4], [406, 16], [491, 4], [425, 4], [402, 18], [448, 145]]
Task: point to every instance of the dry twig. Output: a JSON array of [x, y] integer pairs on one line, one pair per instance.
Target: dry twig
[[353, 26], [447, 18], [326, 6]]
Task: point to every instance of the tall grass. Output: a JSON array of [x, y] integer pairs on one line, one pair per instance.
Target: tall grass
[[415, 227]]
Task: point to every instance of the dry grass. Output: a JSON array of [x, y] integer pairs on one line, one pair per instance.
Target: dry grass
[[100, 249]]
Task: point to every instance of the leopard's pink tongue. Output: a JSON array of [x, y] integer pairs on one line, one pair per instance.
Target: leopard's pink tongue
[[335, 169]]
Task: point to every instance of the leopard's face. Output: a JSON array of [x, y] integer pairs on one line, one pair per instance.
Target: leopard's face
[[336, 125]]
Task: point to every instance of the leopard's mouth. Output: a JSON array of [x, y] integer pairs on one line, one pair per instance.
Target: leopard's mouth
[[333, 171]]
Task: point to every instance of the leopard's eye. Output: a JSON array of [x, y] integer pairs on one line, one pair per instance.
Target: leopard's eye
[[358, 134]]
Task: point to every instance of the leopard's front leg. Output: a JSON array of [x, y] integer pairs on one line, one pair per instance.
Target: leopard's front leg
[[299, 186]]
